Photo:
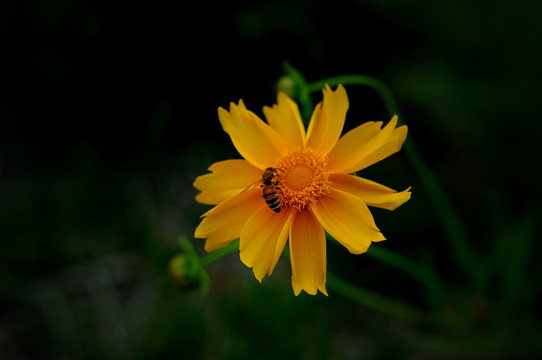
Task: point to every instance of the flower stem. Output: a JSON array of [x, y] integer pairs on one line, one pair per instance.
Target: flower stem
[[464, 255], [435, 290], [219, 253], [304, 93], [457, 239], [342, 287], [374, 301], [376, 84]]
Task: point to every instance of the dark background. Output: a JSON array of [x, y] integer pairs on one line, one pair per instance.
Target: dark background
[[108, 113]]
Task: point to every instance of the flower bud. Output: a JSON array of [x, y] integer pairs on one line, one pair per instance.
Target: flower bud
[[288, 86], [184, 271]]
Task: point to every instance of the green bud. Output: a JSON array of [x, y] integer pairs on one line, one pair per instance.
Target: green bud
[[184, 271], [288, 86]]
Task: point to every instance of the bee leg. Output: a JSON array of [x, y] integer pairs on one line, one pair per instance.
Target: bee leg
[[276, 187]]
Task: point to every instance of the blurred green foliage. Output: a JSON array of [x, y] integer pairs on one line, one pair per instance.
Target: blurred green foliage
[[108, 113]]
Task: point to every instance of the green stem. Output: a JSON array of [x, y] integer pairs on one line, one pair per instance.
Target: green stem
[[369, 299], [304, 93], [374, 301], [450, 221], [434, 287], [458, 242], [364, 297], [435, 290], [219, 253], [376, 84]]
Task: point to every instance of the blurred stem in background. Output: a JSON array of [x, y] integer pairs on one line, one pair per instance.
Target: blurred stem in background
[[458, 242], [375, 301], [394, 308], [457, 239]]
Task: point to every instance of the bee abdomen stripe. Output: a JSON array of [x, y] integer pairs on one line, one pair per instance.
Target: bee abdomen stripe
[[273, 202]]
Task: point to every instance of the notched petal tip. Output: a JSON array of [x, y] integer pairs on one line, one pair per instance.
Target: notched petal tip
[[262, 241], [348, 220], [323, 290], [227, 178], [224, 222], [307, 253], [339, 88], [253, 138], [366, 145], [401, 197], [370, 192], [285, 119], [297, 288], [327, 120]]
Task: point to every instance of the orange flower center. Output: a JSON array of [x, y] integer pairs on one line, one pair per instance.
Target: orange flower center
[[304, 177]]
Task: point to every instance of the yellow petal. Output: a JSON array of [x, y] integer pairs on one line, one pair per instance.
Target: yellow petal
[[284, 117], [255, 140], [372, 193], [366, 145], [224, 222], [307, 253], [215, 197], [327, 120], [348, 220], [351, 146], [262, 240], [228, 178]]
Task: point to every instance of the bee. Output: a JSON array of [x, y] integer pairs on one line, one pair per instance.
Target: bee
[[269, 182]]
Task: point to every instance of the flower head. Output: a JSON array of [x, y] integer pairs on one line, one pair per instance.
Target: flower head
[[312, 179]]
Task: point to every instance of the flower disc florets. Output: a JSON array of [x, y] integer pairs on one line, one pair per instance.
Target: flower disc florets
[[304, 177]]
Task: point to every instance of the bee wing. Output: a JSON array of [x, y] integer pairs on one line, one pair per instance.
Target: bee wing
[[251, 186]]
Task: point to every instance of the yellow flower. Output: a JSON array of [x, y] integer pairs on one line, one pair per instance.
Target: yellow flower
[[315, 187]]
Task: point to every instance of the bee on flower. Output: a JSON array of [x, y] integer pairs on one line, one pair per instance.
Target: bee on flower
[[270, 184], [314, 191]]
